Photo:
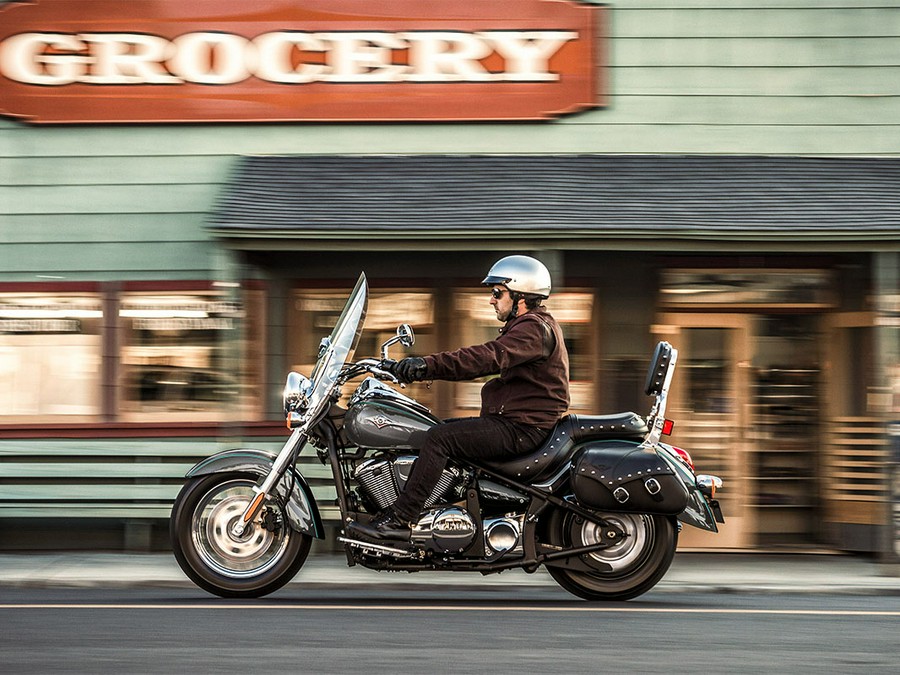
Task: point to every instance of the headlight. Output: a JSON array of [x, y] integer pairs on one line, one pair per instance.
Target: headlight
[[296, 393]]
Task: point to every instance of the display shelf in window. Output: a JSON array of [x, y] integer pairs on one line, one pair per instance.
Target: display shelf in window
[[784, 488]]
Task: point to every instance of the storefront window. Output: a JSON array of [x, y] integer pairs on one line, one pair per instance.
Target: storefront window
[[707, 372], [478, 324], [314, 313], [889, 326], [797, 288], [51, 350], [181, 354]]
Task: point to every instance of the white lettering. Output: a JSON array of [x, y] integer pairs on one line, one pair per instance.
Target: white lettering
[[39, 326], [24, 58], [527, 54], [284, 57], [447, 57], [182, 324], [276, 52], [125, 58], [363, 57], [212, 58]]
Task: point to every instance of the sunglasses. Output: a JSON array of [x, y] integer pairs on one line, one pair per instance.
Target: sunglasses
[[497, 293]]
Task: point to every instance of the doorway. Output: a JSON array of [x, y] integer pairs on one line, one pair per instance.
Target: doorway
[[745, 405], [856, 452], [705, 402]]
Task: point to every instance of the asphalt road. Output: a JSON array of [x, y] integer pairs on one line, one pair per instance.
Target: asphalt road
[[454, 631]]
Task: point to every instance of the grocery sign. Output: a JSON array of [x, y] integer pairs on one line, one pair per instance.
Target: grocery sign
[[114, 61]]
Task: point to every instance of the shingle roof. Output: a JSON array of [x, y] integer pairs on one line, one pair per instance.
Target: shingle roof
[[598, 196]]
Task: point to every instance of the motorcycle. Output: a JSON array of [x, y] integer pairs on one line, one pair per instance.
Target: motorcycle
[[600, 504]]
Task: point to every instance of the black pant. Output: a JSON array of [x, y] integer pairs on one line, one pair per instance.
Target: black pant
[[491, 437]]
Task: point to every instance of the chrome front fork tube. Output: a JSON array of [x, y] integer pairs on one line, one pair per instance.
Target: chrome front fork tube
[[279, 466]]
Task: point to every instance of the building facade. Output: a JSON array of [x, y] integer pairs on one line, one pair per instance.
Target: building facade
[[733, 188]]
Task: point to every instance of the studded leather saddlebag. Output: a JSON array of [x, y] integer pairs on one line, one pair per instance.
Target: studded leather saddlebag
[[617, 476]]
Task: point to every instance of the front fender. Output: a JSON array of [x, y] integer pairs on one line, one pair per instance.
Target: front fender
[[302, 510]]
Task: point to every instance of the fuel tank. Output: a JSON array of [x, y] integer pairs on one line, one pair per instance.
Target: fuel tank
[[382, 418]]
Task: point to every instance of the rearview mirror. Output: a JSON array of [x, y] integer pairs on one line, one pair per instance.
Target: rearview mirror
[[404, 336]]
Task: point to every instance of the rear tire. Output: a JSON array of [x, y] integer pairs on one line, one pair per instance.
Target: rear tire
[[638, 562], [255, 564]]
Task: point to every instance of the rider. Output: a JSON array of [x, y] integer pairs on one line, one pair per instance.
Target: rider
[[518, 408]]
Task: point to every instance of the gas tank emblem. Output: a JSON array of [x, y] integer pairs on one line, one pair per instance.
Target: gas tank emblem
[[380, 421]]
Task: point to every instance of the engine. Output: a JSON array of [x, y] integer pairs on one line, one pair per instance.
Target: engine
[[449, 530], [444, 529], [381, 481]]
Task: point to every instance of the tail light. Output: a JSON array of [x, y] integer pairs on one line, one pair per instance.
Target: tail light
[[684, 456]]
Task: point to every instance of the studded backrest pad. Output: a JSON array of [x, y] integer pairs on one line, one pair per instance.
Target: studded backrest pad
[[659, 366]]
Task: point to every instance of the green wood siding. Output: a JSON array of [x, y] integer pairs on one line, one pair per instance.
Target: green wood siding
[[66, 199], [104, 169], [793, 77], [104, 261], [92, 228], [118, 478]]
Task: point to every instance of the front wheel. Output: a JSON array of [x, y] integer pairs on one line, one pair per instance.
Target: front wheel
[[638, 561], [260, 561]]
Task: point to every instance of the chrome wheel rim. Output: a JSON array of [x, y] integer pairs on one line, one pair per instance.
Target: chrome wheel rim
[[630, 549], [251, 554]]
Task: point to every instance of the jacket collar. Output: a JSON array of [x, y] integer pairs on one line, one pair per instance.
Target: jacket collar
[[540, 309]]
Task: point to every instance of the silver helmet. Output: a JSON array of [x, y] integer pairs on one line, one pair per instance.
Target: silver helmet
[[520, 273]]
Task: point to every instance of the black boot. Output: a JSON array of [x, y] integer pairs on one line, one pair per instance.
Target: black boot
[[386, 527]]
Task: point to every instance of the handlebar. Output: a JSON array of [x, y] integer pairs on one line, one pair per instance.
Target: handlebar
[[379, 368]]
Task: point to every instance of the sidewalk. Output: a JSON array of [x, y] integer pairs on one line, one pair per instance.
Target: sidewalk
[[691, 572]]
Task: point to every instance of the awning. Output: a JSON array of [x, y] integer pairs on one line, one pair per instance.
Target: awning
[[560, 200]]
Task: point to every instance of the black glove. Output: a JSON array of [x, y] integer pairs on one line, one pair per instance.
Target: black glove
[[411, 369]]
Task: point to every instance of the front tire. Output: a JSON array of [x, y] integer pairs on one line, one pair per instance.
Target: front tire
[[259, 562], [638, 562]]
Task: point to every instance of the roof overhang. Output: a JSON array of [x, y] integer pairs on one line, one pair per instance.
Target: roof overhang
[[463, 202]]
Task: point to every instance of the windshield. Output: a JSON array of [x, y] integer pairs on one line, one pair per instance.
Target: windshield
[[337, 347]]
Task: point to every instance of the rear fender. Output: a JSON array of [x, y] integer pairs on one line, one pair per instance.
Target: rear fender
[[697, 512], [302, 510]]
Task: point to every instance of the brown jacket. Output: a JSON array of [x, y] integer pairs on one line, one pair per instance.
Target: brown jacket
[[531, 360]]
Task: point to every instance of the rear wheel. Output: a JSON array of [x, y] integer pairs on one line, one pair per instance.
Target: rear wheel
[[638, 561], [263, 559]]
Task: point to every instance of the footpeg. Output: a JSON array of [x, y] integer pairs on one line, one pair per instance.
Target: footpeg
[[378, 549]]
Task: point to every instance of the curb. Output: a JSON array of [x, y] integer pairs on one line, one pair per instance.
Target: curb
[[413, 587], [692, 573]]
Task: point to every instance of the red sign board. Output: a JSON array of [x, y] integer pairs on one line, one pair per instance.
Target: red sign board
[[90, 61]]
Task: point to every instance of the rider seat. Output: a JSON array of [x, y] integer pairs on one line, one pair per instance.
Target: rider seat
[[564, 439]]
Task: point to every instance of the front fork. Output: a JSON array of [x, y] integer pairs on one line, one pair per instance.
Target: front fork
[[288, 451]]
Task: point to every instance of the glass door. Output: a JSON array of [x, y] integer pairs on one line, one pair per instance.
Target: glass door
[[708, 403], [785, 400], [746, 402], [855, 490]]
